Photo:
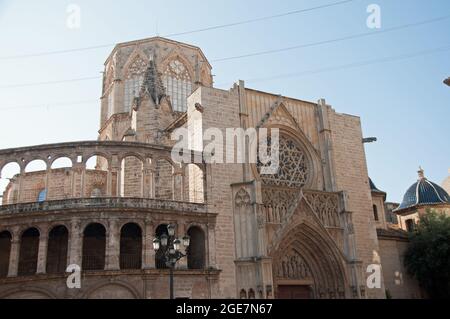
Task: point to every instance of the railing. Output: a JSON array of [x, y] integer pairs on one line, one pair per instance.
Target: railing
[[27, 267], [160, 259], [131, 261], [56, 265], [104, 202], [93, 262]]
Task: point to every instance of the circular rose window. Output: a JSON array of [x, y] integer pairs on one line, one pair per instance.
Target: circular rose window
[[293, 167]]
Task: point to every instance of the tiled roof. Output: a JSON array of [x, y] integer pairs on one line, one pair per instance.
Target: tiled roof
[[423, 192]]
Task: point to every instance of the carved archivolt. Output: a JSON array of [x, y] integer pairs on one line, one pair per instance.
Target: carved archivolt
[[293, 168], [292, 266]]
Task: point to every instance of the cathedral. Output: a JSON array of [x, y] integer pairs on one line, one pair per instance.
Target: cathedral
[[317, 228]]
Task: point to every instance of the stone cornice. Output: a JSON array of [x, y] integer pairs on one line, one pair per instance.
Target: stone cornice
[[109, 203]]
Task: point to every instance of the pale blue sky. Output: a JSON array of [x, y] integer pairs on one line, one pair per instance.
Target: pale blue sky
[[403, 103]]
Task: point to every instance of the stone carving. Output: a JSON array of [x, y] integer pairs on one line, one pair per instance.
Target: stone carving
[[276, 203], [137, 67], [242, 198], [292, 266], [152, 84], [261, 217], [293, 168], [325, 205]]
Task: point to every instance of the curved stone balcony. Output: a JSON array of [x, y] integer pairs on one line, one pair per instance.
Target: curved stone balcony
[[102, 204], [102, 219], [123, 169]]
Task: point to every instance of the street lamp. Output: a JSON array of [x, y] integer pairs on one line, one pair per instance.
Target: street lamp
[[171, 251]]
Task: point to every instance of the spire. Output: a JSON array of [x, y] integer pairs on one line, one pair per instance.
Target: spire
[[153, 84], [421, 173]]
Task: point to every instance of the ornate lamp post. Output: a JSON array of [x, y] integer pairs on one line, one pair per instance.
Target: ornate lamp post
[[171, 251]]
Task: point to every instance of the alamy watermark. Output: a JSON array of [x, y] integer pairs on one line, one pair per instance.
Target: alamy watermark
[[73, 20], [374, 19], [74, 279], [237, 146]]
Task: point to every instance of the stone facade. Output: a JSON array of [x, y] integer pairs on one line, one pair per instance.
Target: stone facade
[[309, 226]]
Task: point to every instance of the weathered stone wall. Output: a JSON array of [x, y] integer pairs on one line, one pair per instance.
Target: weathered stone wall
[[399, 284], [352, 177], [148, 284], [76, 215], [221, 110], [60, 184]]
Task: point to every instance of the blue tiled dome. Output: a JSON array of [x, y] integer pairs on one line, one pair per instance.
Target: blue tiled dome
[[424, 192]]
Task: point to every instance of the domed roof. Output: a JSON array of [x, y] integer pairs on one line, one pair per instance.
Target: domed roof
[[423, 192]]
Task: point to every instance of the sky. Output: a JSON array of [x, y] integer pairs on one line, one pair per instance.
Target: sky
[[402, 102]]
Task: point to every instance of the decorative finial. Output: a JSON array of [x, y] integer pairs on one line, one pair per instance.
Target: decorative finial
[[421, 173]]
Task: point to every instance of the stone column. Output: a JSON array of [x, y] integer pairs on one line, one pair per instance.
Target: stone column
[[14, 254], [19, 193], [75, 243], [146, 181], [326, 145], [47, 184], [153, 184], [119, 182], [113, 246], [211, 235], [83, 180], [177, 186], [72, 182], [148, 254], [109, 183], [42, 253]]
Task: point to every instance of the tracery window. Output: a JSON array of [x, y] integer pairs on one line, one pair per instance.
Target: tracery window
[[178, 84], [293, 170], [133, 81]]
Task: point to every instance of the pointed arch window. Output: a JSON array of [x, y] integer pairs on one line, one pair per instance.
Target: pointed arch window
[[133, 81], [178, 84]]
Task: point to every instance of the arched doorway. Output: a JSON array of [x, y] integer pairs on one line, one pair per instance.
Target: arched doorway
[[306, 265], [58, 240], [196, 249], [159, 255], [94, 246], [5, 251], [28, 255], [131, 247]]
